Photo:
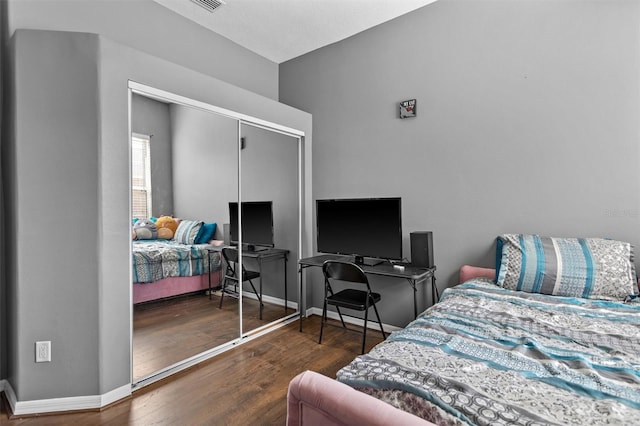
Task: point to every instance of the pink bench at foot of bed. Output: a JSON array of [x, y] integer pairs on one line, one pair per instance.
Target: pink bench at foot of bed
[[173, 286], [317, 400]]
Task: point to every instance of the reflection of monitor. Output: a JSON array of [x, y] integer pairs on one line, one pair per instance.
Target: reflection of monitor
[[365, 227], [257, 223]]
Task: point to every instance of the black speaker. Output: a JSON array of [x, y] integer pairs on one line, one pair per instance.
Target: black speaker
[[422, 248], [226, 234]]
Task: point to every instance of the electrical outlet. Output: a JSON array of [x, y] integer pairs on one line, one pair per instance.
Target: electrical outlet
[[43, 351]]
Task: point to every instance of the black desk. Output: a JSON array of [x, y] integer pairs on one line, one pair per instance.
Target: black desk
[[412, 274], [262, 256]]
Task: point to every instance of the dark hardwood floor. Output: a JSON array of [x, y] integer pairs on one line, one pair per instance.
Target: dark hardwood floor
[[168, 331], [246, 385]]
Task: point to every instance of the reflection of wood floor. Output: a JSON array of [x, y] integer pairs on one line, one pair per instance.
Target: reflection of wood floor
[[246, 385], [169, 331]]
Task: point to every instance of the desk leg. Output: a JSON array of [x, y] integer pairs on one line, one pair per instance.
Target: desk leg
[[412, 283], [415, 302], [209, 260], [285, 284], [300, 297], [260, 281], [435, 296]]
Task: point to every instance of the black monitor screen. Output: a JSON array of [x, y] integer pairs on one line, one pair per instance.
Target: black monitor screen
[[370, 227], [257, 223]]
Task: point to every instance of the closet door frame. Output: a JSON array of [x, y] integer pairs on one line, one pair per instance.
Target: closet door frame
[[242, 119]]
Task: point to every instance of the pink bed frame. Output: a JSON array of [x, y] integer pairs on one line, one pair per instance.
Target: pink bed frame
[[173, 286]]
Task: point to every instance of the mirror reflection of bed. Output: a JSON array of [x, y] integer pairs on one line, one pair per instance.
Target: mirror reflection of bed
[[193, 175]]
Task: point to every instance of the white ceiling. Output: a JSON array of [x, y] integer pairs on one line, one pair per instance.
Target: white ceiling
[[280, 30]]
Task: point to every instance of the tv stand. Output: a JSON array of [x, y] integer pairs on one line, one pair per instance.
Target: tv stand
[[359, 260]]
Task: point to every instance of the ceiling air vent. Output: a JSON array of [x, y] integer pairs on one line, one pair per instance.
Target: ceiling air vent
[[210, 5]]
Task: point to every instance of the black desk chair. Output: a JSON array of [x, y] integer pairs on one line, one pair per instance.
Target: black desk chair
[[231, 274], [350, 298]]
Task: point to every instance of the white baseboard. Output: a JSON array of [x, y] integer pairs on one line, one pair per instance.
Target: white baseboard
[[54, 405], [115, 395], [92, 402], [9, 394], [352, 320], [270, 299], [276, 301]]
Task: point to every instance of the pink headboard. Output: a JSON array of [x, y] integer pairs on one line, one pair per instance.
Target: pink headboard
[[467, 272]]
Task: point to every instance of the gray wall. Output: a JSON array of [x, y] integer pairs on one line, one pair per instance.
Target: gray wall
[[146, 26], [76, 84], [527, 122], [154, 29], [52, 214], [205, 164], [152, 118]]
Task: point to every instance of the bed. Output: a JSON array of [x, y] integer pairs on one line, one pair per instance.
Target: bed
[[166, 268], [551, 337]]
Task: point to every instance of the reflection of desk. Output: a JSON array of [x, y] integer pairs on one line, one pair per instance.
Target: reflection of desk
[[412, 274], [262, 256]]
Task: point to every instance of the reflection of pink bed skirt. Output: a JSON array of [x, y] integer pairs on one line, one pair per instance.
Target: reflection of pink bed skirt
[[168, 287]]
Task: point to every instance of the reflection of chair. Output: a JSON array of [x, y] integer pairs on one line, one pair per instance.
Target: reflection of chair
[[350, 298], [231, 274]]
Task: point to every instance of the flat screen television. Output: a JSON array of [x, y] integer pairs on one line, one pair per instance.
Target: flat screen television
[[360, 227], [257, 224]]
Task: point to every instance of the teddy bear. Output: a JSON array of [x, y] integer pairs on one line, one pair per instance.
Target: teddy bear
[[167, 226]]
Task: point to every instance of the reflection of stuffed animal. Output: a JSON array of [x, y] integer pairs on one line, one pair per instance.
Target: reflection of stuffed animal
[[165, 233], [166, 227], [167, 222], [145, 229]]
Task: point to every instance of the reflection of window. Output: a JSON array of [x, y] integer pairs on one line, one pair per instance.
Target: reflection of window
[[140, 176]]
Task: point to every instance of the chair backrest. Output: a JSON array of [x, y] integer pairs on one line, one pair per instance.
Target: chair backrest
[[230, 255], [344, 271]]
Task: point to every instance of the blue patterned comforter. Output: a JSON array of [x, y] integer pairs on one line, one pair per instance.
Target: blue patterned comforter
[[154, 260], [487, 355]]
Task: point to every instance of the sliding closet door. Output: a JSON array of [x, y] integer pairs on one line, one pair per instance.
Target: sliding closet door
[[199, 163], [189, 161], [270, 241], [206, 185]]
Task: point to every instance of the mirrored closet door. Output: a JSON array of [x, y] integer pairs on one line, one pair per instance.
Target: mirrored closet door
[[271, 210], [213, 193]]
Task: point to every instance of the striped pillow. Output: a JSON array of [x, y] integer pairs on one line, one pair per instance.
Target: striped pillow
[[592, 268], [187, 231]]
